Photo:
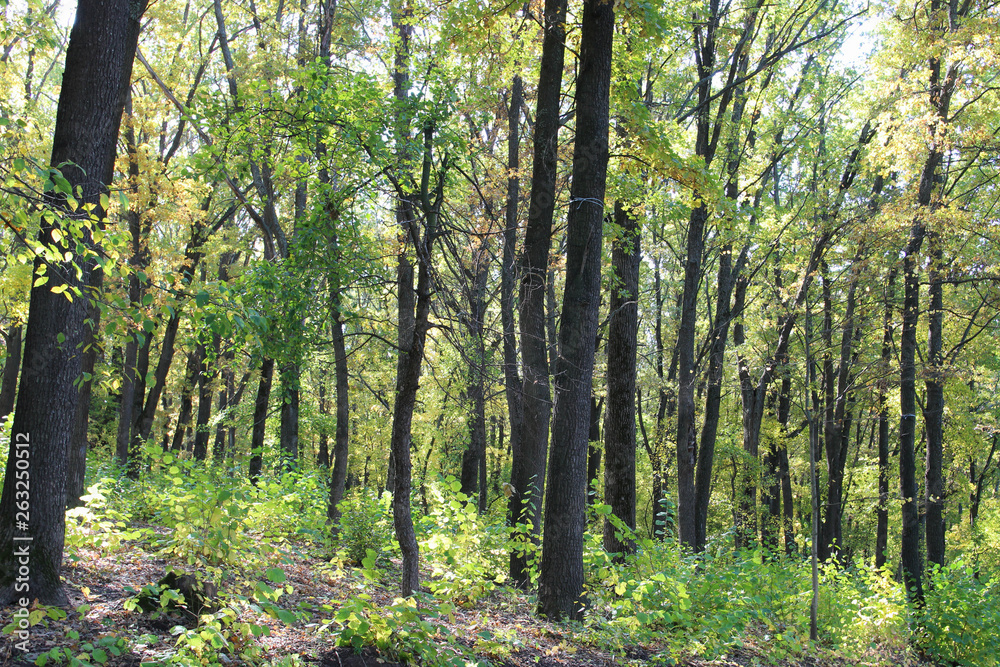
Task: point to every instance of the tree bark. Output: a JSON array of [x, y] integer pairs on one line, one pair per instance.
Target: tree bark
[[912, 562], [934, 374], [619, 420], [95, 79], [260, 418], [508, 278], [77, 452], [527, 477], [289, 420], [11, 369], [561, 578]]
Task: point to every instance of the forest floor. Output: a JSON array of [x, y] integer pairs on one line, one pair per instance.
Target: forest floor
[[100, 583]]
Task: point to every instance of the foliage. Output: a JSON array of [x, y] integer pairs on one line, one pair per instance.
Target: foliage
[[467, 552], [365, 524], [961, 615], [402, 630]]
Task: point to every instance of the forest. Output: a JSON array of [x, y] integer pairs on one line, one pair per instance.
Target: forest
[[613, 332]]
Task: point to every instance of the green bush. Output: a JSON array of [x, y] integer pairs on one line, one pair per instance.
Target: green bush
[[365, 523], [468, 553], [960, 617]]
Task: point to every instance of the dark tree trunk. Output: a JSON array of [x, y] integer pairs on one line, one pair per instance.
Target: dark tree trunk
[[687, 427], [934, 381], [408, 378], [619, 420], [187, 401], [508, 276], [785, 479], [594, 451], [205, 373], [474, 456], [882, 513], [144, 420], [221, 446], [260, 418], [133, 386], [11, 369], [95, 79], [413, 311], [77, 452], [527, 477], [323, 456], [341, 442], [561, 578], [910, 548], [728, 275], [289, 426], [837, 429]]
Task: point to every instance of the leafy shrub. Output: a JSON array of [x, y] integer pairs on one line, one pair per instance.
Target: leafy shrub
[[961, 615], [402, 631], [97, 524], [467, 552], [862, 606], [365, 523]]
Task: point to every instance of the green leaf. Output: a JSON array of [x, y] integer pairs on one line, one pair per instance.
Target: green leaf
[[276, 575]]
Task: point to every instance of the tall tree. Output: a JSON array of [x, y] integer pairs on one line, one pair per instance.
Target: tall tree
[[527, 475], [91, 101], [619, 420], [560, 584]]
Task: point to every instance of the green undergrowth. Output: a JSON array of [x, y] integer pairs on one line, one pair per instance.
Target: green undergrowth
[[671, 603]]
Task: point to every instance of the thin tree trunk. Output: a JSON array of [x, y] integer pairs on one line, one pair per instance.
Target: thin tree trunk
[[619, 420], [910, 548], [187, 402], [77, 452], [260, 418], [528, 469], [934, 375], [11, 369], [508, 277]]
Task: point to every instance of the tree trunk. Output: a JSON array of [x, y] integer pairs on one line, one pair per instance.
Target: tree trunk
[[619, 420], [934, 374], [11, 369], [594, 443], [508, 278], [728, 275], [95, 78], [561, 578], [77, 452], [910, 548], [205, 373], [341, 442], [187, 402], [837, 430], [474, 456], [289, 426], [527, 477], [260, 418], [323, 456]]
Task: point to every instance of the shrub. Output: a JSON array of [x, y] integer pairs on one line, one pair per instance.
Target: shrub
[[365, 523], [960, 617]]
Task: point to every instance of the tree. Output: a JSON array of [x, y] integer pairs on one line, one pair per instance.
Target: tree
[[560, 583], [619, 420], [95, 81], [527, 475]]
